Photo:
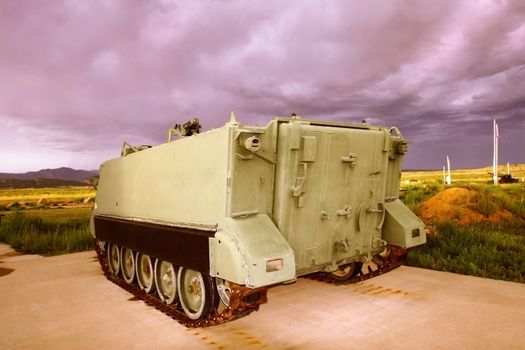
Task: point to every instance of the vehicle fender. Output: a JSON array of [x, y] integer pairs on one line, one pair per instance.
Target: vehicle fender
[[227, 259], [239, 252]]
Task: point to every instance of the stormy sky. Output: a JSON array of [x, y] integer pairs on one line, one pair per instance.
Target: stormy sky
[[77, 78]]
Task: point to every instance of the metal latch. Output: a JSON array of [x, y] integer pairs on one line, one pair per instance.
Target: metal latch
[[346, 211], [350, 159], [297, 190], [374, 210]]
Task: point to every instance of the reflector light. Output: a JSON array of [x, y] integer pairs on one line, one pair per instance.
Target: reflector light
[[274, 265]]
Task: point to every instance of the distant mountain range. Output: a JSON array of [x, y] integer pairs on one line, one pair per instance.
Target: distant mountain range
[[48, 178]]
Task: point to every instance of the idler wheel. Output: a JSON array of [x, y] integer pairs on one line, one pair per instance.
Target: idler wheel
[[165, 281], [345, 272], [113, 258], [127, 264], [145, 272]]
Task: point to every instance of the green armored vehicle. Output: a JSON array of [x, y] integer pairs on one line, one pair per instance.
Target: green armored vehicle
[[200, 226]]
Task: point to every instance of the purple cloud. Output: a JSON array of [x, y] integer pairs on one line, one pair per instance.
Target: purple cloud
[[79, 77]]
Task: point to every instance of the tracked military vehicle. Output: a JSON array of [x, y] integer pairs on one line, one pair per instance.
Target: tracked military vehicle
[[202, 225]]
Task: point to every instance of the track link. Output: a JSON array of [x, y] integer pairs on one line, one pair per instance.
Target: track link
[[243, 300], [391, 261]]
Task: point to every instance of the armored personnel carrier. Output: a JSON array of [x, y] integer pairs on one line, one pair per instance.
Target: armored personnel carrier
[[202, 225]]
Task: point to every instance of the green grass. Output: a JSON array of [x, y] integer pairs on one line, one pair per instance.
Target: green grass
[[51, 234], [485, 203], [484, 249], [510, 197], [492, 198]]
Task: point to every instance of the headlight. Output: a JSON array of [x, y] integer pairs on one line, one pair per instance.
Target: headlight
[[252, 144]]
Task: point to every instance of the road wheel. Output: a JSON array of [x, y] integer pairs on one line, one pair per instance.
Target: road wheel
[[144, 272], [345, 272], [165, 281], [128, 265], [113, 258], [194, 292]]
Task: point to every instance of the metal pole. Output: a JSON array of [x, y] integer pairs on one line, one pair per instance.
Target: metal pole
[[494, 168], [449, 178], [497, 152], [496, 136]]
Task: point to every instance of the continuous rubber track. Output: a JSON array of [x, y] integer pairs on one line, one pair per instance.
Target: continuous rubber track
[[243, 300]]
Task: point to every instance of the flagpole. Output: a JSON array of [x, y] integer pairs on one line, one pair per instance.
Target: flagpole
[[495, 155], [494, 151], [497, 152], [449, 178]]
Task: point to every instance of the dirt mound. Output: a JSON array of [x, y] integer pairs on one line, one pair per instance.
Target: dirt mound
[[459, 205]]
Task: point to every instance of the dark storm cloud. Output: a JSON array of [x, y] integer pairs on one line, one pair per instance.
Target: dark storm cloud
[[81, 76]]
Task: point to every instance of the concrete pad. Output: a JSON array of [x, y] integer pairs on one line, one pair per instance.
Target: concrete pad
[[65, 302]]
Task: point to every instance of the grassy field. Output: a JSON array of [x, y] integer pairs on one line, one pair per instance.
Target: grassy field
[[47, 221], [493, 251], [29, 197], [461, 176], [47, 231], [485, 248], [60, 214]]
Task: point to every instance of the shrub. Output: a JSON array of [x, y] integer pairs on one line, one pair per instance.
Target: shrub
[[485, 202]]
